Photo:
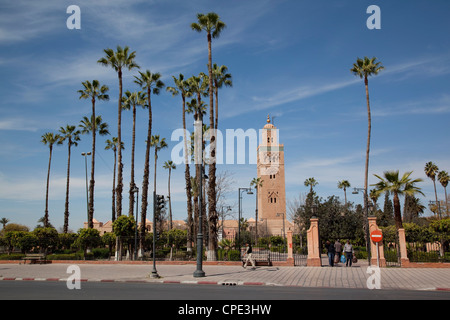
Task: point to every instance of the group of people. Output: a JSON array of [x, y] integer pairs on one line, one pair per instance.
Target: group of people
[[336, 251]]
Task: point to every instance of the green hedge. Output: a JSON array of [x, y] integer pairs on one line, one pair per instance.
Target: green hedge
[[228, 255], [12, 256]]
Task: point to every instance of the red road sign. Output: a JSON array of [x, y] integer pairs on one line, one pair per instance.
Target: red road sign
[[376, 235]]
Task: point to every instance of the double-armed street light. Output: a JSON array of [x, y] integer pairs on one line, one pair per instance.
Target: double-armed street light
[[136, 190], [284, 228], [198, 159], [222, 212], [85, 154], [249, 191]]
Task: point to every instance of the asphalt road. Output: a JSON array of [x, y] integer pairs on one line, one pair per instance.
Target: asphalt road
[[57, 290]]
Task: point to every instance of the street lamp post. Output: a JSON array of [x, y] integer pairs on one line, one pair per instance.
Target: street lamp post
[[136, 189], [198, 158], [314, 210], [262, 220], [223, 214], [249, 191], [366, 219], [283, 233], [437, 205], [85, 154]]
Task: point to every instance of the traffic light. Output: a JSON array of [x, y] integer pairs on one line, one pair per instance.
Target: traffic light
[[160, 202]]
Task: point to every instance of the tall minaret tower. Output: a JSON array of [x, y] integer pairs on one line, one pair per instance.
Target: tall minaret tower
[[272, 194]]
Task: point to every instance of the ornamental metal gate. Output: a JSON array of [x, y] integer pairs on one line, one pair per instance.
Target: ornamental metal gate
[[300, 253]]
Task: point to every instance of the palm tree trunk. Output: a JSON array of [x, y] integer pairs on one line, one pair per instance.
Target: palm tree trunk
[[66, 208], [154, 174], [366, 176], [256, 216], [46, 192], [132, 184], [446, 201], [155, 210], [204, 216], [212, 165], [397, 213], [187, 178], [113, 217], [119, 187], [170, 202], [369, 127], [438, 207], [197, 196], [92, 182], [216, 125], [146, 176]]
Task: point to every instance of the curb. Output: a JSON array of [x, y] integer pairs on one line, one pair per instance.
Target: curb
[[200, 282], [220, 283]]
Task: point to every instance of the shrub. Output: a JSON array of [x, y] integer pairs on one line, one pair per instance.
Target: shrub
[[47, 238], [12, 256]]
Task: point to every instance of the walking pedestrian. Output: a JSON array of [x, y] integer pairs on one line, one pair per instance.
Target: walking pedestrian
[[331, 252], [348, 250], [248, 256], [338, 249]]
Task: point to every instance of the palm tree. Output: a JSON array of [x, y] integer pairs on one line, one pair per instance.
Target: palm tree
[[397, 186], [4, 221], [89, 126], [119, 60], [48, 139], [112, 145], [220, 78], [100, 126], [444, 178], [257, 183], [95, 92], [152, 84], [310, 182], [416, 207], [412, 209], [431, 170], [198, 85], [213, 26], [344, 184], [182, 87], [364, 68], [130, 101], [158, 143], [374, 197], [72, 137], [169, 165]]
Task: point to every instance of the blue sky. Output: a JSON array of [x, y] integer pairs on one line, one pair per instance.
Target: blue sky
[[289, 58]]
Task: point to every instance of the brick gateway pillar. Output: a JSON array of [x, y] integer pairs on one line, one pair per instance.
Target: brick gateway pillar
[[373, 246], [314, 259]]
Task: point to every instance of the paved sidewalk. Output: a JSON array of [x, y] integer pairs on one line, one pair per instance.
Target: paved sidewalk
[[327, 277]]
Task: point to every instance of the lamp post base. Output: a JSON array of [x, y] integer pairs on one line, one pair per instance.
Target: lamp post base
[[199, 273]]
